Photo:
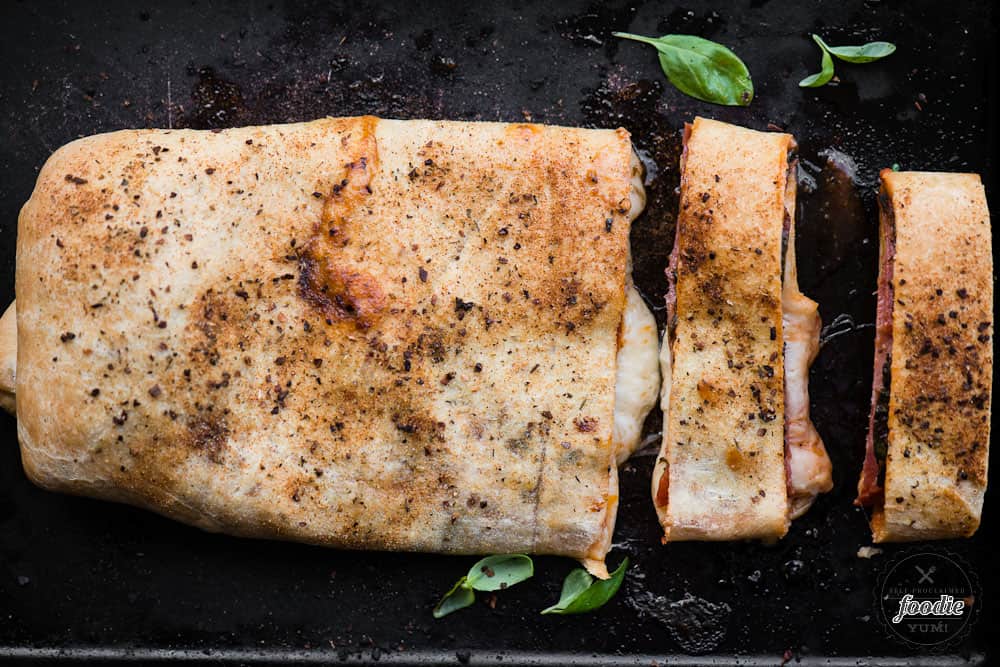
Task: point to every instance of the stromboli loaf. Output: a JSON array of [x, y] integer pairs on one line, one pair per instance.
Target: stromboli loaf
[[355, 332]]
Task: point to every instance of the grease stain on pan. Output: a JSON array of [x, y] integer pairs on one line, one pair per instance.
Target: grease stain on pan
[[696, 624]]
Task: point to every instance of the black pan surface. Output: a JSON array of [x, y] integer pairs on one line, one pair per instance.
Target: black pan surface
[[82, 579]]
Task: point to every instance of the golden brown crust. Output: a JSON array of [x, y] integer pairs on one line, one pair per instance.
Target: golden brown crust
[[723, 438], [942, 357], [354, 332]]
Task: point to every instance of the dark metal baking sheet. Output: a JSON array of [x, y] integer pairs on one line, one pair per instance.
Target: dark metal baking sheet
[[86, 580]]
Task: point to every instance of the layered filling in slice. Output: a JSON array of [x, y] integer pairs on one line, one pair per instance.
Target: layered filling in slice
[[870, 486], [637, 379]]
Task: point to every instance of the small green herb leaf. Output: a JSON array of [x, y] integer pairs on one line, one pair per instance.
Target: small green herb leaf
[[582, 593], [459, 597], [701, 68], [822, 77], [492, 573], [575, 583], [865, 53], [495, 573], [895, 166]]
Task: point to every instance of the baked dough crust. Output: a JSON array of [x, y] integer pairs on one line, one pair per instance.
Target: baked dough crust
[[942, 357], [363, 333]]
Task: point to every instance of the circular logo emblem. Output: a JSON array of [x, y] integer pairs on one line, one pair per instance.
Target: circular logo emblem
[[927, 598]]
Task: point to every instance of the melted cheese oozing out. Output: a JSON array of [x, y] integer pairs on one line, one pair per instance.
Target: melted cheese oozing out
[[637, 378], [809, 470]]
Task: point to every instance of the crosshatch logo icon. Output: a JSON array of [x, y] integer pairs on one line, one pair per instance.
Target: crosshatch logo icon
[[927, 598]]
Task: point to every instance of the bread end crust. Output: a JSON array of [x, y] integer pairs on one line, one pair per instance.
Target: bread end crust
[[942, 359]]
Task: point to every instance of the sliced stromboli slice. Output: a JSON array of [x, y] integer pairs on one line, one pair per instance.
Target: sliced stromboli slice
[[363, 333], [740, 457], [927, 448]]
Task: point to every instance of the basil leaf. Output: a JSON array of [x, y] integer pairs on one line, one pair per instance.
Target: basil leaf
[[576, 582], [822, 77], [495, 573], [865, 53], [459, 597], [582, 593], [701, 68]]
